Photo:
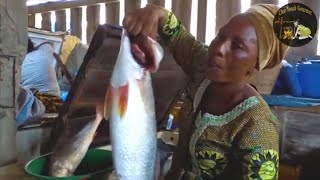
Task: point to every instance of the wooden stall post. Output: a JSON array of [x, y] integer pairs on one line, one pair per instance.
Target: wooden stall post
[[93, 21], [76, 22], [264, 1], [31, 20], [182, 9], [202, 19], [131, 5], [112, 13], [60, 24], [46, 21], [157, 2], [225, 10]]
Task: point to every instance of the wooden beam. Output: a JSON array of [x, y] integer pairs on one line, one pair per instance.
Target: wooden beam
[[76, 22], [112, 13], [31, 20], [157, 2], [264, 1], [182, 9], [202, 20], [131, 5], [93, 21], [46, 21], [60, 20], [58, 5]]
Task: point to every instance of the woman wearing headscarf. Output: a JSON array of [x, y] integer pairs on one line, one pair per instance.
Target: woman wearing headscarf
[[227, 130]]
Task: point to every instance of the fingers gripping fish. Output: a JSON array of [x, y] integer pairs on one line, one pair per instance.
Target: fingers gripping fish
[[130, 107]]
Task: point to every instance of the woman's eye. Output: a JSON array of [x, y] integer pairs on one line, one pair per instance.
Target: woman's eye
[[237, 45]]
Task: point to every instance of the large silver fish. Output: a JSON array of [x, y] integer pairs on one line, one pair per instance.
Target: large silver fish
[[72, 147], [130, 106]]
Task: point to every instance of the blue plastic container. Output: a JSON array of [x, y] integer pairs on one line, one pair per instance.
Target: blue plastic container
[[287, 82], [309, 78]]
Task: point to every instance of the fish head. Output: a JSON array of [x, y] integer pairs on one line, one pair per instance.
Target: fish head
[[61, 169], [147, 52]]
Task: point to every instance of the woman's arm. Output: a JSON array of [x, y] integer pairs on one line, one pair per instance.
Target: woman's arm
[[189, 53], [259, 149]]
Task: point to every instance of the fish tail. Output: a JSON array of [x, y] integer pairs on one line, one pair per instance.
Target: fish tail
[[123, 99]]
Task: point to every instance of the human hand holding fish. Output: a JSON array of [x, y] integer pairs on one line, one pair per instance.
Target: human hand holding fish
[[144, 21]]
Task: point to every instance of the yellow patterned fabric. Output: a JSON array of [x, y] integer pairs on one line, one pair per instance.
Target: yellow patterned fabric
[[246, 139], [51, 102], [263, 165], [241, 144]]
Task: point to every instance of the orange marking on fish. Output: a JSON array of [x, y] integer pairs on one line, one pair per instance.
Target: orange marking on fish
[[108, 102], [123, 100]]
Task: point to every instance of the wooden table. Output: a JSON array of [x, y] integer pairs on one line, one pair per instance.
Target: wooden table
[[14, 172]]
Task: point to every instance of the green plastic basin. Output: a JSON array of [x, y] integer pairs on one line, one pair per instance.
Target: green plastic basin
[[97, 162]]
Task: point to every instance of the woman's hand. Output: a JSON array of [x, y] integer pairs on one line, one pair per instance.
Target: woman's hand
[[144, 20]]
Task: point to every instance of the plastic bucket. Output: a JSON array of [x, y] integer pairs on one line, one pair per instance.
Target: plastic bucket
[[96, 163]]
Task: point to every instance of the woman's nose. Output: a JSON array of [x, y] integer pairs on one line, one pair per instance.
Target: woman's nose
[[218, 48]]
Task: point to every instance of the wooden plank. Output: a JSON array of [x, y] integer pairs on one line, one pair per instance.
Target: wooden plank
[[58, 5], [300, 135], [225, 10], [76, 22], [60, 24], [157, 2], [15, 170], [93, 21], [131, 5], [311, 109], [46, 21], [31, 20], [112, 13], [288, 171], [202, 18], [264, 1], [182, 9]]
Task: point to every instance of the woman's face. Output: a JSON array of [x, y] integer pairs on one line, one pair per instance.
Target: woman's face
[[233, 54]]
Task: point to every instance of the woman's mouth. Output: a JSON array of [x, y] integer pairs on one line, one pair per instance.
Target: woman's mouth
[[213, 65]]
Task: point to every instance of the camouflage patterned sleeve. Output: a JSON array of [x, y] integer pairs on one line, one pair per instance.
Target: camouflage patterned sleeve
[[189, 53], [259, 147]]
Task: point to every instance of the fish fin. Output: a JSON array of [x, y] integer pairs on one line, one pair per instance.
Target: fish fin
[[140, 83], [108, 102], [142, 87], [123, 99]]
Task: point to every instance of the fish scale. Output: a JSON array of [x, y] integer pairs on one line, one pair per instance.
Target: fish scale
[[130, 107]]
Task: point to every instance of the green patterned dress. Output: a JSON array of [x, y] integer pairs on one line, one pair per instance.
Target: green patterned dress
[[240, 144]]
